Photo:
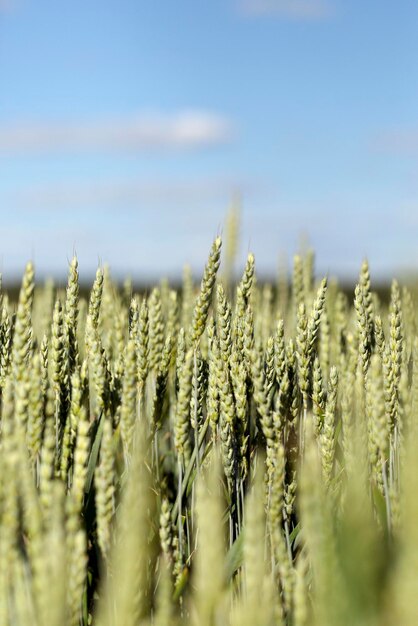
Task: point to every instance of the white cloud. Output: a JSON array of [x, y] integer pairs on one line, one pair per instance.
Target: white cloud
[[290, 9], [143, 132]]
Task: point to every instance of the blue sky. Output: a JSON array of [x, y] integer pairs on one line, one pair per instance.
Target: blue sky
[[127, 128]]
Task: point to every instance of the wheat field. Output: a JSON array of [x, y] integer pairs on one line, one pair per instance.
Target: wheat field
[[229, 453]]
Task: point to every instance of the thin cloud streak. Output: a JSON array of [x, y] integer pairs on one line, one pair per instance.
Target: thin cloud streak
[[119, 194], [186, 130], [6, 5], [400, 142], [290, 9]]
